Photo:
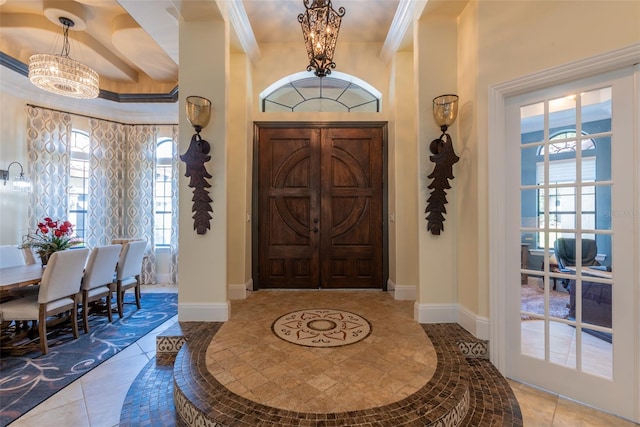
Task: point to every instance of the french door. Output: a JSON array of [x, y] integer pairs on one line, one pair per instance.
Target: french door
[[571, 240], [320, 198]]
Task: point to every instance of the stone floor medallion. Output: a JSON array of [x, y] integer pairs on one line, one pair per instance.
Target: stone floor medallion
[[321, 327]]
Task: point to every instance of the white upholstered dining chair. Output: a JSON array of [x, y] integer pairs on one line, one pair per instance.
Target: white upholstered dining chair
[[59, 291], [11, 256], [128, 271], [97, 282]]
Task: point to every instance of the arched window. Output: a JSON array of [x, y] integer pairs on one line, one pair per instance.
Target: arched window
[[79, 181], [163, 191], [337, 92], [562, 148]]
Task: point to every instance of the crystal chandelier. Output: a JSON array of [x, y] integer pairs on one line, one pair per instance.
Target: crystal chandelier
[[320, 27], [62, 75]]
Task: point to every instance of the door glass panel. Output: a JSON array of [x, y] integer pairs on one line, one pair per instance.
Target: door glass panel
[[562, 341], [562, 114], [559, 159], [596, 110]]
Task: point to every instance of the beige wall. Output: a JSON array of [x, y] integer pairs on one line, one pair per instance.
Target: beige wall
[[403, 175], [202, 272], [13, 148], [467, 168], [500, 41], [435, 65], [237, 172]]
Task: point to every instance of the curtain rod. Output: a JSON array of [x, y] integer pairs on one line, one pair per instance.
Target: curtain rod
[[98, 118]]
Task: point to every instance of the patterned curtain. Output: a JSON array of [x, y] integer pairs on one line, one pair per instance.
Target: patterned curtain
[[173, 267], [139, 182], [122, 165], [105, 215], [48, 135]]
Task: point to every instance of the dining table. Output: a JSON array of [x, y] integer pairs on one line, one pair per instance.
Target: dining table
[[20, 276]]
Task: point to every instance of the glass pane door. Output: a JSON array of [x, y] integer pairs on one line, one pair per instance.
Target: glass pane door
[[572, 184]]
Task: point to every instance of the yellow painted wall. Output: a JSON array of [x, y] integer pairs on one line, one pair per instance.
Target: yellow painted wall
[[511, 40], [202, 272], [435, 67], [403, 175], [237, 173]]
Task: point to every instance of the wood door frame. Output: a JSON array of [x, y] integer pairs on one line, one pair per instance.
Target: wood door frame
[[318, 125]]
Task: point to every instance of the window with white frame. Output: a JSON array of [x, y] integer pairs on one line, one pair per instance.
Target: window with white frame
[[79, 181], [163, 191], [562, 200]]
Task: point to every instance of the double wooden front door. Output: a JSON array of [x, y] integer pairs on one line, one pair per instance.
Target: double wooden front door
[[320, 204]]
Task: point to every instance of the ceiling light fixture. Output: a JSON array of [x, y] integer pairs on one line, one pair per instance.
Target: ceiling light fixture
[[62, 75], [320, 27]]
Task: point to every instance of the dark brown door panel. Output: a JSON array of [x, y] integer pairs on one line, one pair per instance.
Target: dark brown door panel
[[320, 207]]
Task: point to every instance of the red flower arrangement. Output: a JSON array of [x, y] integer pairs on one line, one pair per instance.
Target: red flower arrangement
[[51, 236]]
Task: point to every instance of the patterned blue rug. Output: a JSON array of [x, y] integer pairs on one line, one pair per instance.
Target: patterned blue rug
[[27, 377]]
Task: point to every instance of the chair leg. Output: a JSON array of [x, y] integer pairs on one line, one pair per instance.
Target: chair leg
[[85, 310], [74, 317], [109, 315], [120, 295], [137, 289], [42, 330]]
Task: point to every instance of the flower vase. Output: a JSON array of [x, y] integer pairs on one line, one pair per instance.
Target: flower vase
[[44, 259]]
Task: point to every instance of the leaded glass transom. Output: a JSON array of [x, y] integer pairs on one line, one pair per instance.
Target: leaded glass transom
[[337, 92]]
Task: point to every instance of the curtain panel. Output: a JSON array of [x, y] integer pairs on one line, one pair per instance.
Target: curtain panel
[[121, 181], [48, 135]]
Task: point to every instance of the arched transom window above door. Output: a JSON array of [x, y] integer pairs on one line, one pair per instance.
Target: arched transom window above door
[[337, 92]]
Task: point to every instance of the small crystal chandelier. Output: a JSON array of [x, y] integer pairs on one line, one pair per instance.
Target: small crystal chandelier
[[320, 27], [62, 75]]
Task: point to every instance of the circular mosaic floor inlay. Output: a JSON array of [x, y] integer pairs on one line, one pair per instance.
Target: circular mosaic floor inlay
[[321, 327]]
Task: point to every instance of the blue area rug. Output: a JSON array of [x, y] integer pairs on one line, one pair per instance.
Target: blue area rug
[[27, 377]]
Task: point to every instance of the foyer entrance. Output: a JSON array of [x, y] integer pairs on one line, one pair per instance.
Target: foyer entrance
[[319, 206]]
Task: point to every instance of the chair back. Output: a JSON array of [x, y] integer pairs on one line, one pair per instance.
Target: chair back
[[565, 249], [101, 266], [63, 274], [11, 256], [131, 256]]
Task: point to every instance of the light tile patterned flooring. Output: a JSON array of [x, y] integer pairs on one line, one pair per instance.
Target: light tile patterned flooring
[[95, 399], [306, 379]]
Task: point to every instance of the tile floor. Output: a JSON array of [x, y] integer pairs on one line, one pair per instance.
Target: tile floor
[[96, 398]]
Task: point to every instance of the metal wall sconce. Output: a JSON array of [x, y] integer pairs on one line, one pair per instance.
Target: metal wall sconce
[[445, 112], [198, 114], [320, 27], [20, 182]]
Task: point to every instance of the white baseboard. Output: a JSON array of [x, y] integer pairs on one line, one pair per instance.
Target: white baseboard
[[453, 313], [237, 291], [435, 313], [478, 326], [391, 286], [249, 285], [213, 312], [405, 292]]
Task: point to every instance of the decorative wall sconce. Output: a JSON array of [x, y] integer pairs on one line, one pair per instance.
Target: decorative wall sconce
[[20, 182], [320, 27], [445, 112], [198, 114]]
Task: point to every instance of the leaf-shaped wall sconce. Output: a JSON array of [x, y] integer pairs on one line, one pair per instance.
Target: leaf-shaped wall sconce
[[198, 114], [445, 111]]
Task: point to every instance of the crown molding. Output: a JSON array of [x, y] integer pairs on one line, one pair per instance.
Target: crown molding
[[144, 98]]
